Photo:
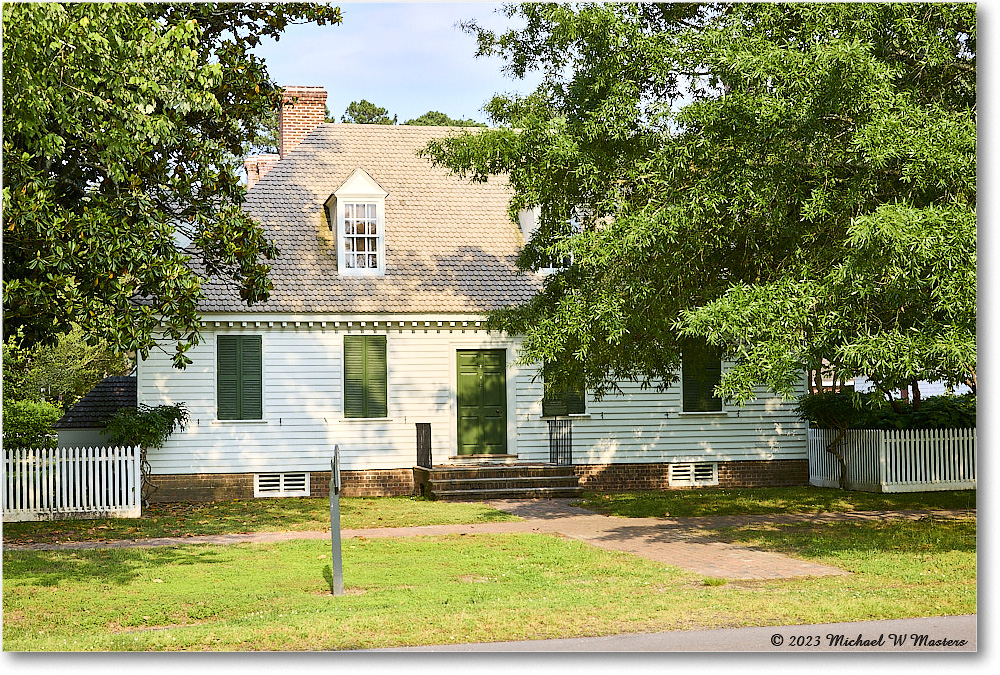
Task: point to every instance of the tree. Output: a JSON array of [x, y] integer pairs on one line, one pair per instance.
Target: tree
[[123, 129], [62, 372], [433, 118], [794, 183], [366, 112]]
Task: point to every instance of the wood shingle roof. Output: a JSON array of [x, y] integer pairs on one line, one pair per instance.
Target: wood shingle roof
[[100, 403], [449, 244]]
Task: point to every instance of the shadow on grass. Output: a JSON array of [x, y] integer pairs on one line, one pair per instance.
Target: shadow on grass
[[927, 535], [758, 501], [106, 566]]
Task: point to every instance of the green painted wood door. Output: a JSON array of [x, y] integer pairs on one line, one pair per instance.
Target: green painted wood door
[[482, 402]]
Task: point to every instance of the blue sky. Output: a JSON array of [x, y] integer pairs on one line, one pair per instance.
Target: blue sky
[[406, 57]]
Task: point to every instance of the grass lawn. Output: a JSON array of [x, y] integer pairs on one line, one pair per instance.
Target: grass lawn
[[433, 590], [750, 501], [256, 515]]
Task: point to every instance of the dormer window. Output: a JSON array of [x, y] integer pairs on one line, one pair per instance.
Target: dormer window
[[528, 222], [357, 215]]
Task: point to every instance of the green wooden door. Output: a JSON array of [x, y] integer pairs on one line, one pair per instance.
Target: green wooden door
[[482, 402]]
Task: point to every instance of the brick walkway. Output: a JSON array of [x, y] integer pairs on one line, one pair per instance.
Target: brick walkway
[[681, 542]]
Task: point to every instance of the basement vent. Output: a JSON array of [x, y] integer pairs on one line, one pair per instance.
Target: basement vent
[[694, 474], [281, 485]]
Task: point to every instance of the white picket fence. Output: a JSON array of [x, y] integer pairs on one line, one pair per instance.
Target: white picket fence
[[65, 483], [903, 460]]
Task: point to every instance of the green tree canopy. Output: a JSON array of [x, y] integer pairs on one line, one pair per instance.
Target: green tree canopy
[[433, 118], [62, 372], [366, 112], [795, 183], [123, 129]]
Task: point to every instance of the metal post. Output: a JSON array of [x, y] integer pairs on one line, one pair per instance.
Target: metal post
[[337, 563]]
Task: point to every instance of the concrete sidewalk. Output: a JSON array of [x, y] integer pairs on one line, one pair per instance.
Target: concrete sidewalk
[[682, 542], [930, 634]]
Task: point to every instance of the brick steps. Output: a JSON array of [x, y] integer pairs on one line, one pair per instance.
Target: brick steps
[[476, 483]]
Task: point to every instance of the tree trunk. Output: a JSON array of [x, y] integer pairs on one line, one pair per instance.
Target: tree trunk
[[896, 408], [915, 386], [832, 449]]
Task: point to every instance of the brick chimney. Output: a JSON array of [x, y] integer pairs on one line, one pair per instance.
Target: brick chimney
[[302, 110], [257, 167]]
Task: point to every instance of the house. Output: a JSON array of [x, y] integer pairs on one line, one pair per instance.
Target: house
[[83, 424], [374, 335]]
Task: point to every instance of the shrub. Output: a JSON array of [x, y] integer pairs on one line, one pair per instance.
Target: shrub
[[28, 424], [836, 410], [145, 426]]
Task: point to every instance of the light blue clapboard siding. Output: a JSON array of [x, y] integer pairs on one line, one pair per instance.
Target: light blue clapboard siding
[[640, 425], [303, 411]]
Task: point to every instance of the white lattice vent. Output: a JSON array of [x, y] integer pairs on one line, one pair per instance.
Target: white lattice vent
[[694, 474], [281, 485]]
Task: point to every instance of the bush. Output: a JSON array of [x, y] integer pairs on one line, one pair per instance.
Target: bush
[[28, 424], [835, 410], [145, 426]]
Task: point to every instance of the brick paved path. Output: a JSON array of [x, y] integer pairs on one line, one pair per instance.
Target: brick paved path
[[682, 542]]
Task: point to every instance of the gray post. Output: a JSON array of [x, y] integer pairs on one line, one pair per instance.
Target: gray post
[[337, 563]]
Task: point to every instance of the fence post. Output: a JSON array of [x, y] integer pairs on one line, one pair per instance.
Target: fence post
[[882, 478]]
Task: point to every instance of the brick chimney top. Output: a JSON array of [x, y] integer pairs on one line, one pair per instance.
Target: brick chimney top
[[302, 110]]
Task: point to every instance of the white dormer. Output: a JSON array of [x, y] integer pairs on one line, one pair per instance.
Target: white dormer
[[527, 220], [357, 217]]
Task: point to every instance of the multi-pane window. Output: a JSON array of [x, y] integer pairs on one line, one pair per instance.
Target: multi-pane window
[[361, 236], [701, 370]]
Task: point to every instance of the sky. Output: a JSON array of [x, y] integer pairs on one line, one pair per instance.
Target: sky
[[407, 57]]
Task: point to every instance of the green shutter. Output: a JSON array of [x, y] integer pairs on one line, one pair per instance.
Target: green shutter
[[251, 376], [354, 376], [565, 402], [365, 376], [239, 377], [575, 404], [228, 376], [701, 370], [376, 385]]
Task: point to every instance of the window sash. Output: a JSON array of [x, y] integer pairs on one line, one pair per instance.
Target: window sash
[[361, 237]]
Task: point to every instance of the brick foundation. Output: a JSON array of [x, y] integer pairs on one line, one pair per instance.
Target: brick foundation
[[753, 473], [207, 487], [203, 487]]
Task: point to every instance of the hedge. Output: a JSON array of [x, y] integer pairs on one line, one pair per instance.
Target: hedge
[[835, 410]]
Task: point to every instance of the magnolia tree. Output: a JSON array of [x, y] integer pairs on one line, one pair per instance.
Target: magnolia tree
[[794, 183], [124, 126]]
